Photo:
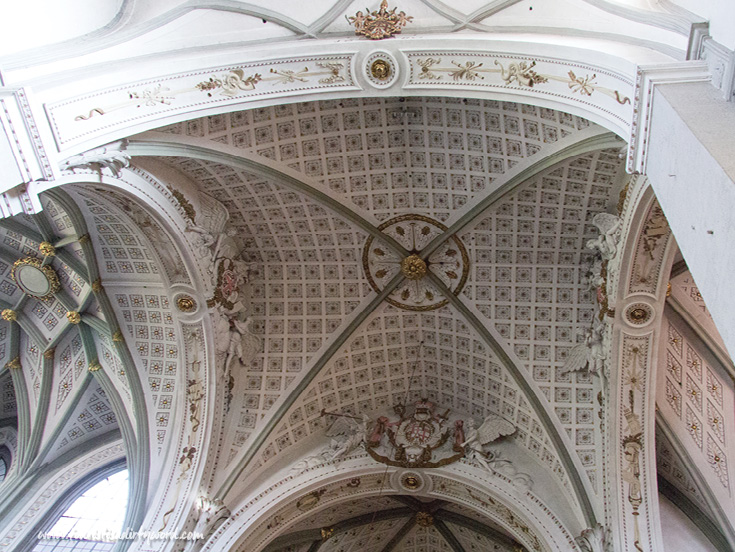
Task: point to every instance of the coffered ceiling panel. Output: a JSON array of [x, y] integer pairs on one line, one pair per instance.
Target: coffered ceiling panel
[[306, 279], [398, 357], [371, 537], [90, 419], [390, 156], [528, 279]]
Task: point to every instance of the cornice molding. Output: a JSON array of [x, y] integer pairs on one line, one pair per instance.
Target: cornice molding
[[648, 78]]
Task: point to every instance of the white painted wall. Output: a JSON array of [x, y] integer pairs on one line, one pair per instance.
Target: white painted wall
[[721, 17], [33, 23], [680, 534]]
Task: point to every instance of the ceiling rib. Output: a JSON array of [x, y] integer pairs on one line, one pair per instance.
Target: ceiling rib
[[445, 532], [187, 147], [468, 523], [300, 537], [721, 517], [135, 432], [534, 398], [71, 406], [402, 532], [295, 393], [586, 141]]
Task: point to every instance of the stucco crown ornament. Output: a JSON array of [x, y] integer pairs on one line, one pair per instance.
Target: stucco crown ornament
[[379, 24]]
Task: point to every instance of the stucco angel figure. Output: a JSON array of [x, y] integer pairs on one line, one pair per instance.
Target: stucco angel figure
[[243, 343], [347, 434], [491, 430], [593, 276], [590, 354], [607, 242]]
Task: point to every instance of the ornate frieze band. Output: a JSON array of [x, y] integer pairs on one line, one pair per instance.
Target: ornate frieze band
[[596, 88], [76, 119]]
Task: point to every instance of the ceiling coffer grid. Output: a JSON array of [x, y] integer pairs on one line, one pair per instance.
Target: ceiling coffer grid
[[371, 537], [697, 398], [455, 369], [345, 510], [144, 312], [91, 418], [395, 155], [70, 370], [528, 280], [472, 541], [306, 278]]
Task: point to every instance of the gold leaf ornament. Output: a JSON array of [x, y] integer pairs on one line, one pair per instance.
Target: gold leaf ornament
[[379, 24]]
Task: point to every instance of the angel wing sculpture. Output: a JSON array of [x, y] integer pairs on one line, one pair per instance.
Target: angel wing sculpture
[[590, 354], [491, 429], [607, 242], [347, 434]]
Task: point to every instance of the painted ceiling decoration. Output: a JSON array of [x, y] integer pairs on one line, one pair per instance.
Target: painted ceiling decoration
[[327, 277]]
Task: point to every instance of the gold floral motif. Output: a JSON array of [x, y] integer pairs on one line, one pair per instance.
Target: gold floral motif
[[94, 366], [583, 85], [379, 24], [186, 303], [380, 69], [9, 315], [47, 249], [73, 317], [13, 364], [413, 267], [521, 73], [424, 519], [49, 353], [84, 239], [327, 532], [469, 71], [117, 337], [97, 285]]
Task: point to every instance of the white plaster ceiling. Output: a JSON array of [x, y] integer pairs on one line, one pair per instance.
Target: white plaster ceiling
[[642, 30]]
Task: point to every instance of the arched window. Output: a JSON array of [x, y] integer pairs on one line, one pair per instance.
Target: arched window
[[95, 516], [3, 469]]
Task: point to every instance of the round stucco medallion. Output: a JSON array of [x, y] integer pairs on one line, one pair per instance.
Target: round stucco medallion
[[34, 278], [381, 69], [638, 314], [449, 262], [410, 481]]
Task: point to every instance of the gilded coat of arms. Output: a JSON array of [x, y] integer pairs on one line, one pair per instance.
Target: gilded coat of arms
[[415, 439]]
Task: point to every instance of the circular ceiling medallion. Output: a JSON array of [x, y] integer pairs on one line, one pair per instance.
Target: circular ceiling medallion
[[34, 278], [186, 303], [410, 481], [449, 263], [638, 314], [381, 69]]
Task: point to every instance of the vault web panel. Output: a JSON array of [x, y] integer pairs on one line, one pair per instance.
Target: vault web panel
[[306, 278], [374, 370], [530, 256], [393, 155]]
